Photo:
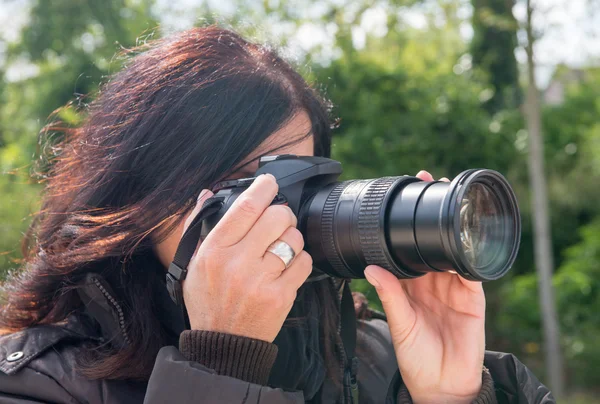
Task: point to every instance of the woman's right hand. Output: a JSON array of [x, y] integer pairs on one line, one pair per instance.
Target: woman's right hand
[[234, 285]]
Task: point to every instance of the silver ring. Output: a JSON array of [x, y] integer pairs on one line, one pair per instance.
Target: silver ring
[[282, 250]]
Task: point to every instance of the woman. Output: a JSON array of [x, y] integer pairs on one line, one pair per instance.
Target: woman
[[88, 318]]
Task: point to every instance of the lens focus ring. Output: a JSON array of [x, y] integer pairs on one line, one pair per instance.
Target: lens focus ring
[[369, 219], [328, 214], [371, 228]]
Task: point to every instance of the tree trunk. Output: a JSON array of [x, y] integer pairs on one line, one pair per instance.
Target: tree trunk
[[543, 248]]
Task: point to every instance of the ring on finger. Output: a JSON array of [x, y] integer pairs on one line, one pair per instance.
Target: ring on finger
[[283, 251]]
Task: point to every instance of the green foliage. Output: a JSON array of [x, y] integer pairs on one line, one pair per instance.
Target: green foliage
[[402, 109], [492, 47], [18, 200], [570, 136], [581, 398], [71, 45], [578, 290], [577, 287]]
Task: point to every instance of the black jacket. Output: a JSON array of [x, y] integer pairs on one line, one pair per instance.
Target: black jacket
[[37, 365]]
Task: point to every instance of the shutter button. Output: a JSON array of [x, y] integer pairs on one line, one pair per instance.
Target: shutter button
[[15, 356]]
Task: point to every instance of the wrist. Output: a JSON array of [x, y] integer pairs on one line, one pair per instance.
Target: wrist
[[465, 396], [463, 393], [462, 390], [444, 398]]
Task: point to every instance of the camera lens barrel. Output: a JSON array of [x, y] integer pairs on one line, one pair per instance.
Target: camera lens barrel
[[411, 227]]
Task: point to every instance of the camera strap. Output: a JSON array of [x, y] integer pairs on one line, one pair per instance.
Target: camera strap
[[348, 335], [187, 246]]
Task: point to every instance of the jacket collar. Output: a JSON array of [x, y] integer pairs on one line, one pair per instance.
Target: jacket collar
[[102, 305], [100, 302], [20, 348], [102, 320]]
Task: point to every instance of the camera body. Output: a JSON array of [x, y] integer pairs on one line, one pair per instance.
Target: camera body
[[299, 179]]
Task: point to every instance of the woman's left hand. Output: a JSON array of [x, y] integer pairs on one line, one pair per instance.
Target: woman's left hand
[[437, 326]]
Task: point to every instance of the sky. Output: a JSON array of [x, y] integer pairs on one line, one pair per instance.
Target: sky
[[570, 28], [571, 34]]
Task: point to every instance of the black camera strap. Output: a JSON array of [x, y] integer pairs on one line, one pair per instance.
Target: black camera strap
[[348, 335], [187, 246]]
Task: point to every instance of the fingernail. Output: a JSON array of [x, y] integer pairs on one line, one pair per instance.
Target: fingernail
[[371, 279], [270, 176]]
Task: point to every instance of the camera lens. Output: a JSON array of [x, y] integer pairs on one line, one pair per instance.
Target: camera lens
[[411, 227], [490, 226], [481, 226]]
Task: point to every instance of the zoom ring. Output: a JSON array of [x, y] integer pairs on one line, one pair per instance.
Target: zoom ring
[[327, 236], [371, 235]]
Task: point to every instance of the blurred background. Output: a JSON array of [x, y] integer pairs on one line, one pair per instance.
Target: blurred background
[[442, 85]]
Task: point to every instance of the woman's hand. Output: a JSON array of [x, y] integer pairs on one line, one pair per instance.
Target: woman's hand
[[234, 285], [437, 327]]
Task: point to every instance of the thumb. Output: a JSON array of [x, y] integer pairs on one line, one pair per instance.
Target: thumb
[[400, 314]]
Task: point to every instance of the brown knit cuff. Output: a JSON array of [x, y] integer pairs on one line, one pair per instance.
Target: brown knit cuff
[[487, 395], [404, 396], [244, 358]]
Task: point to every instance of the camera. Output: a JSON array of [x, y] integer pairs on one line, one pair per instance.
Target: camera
[[408, 226]]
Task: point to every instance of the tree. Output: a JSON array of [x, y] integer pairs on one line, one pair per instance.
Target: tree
[[493, 50], [571, 148], [542, 236]]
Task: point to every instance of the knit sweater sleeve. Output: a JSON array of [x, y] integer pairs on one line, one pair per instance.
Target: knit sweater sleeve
[[244, 358]]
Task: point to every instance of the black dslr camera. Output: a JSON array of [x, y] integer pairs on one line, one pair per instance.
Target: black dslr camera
[[408, 226]]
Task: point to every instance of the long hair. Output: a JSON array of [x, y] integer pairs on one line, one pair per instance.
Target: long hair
[[186, 111]]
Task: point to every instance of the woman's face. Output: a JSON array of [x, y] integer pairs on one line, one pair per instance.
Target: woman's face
[[298, 127]]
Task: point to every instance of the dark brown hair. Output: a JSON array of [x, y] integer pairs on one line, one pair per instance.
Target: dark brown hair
[[186, 111]]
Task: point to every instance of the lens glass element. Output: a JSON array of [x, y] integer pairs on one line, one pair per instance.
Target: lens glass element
[[482, 226]]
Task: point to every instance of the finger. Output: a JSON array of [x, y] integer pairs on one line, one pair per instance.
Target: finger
[[291, 237], [444, 179], [424, 175], [274, 221], [400, 314], [245, 211], [451, 275], [297, 273], [452, 291], [473, 286]]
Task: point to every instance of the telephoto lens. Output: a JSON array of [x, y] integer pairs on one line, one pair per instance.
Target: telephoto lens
[[410, 227]]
